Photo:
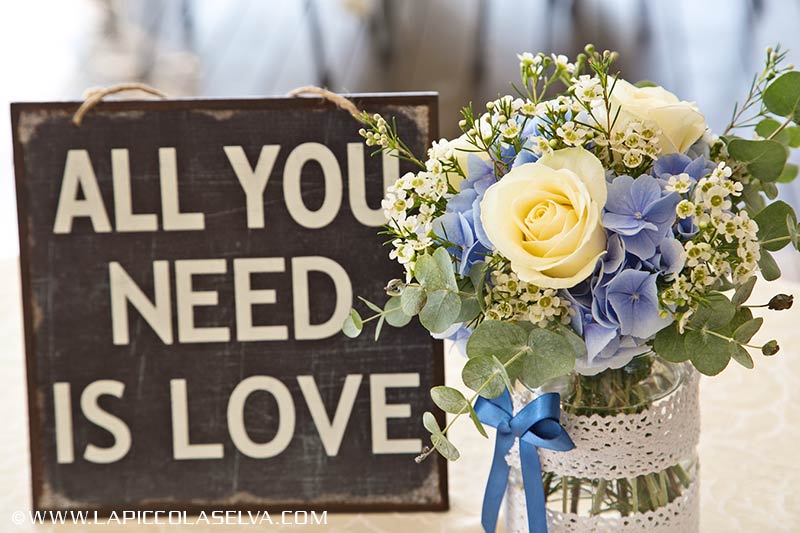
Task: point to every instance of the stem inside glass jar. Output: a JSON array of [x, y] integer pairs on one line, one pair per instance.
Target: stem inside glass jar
[[627, 390]]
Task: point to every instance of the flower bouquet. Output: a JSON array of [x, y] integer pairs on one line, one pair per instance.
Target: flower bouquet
[[591, 250]]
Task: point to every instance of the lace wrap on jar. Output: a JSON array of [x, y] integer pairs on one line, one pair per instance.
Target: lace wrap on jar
[[627, 446]]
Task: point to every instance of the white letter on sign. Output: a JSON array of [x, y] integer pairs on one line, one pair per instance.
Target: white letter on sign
[[286, 417], [303, 328], [181, 447], [78, 173], [330, 432], [292, 173], [174, 220], [124, 290], [124, 217], [95, 414], [188, 299], [62, 405], [381, 412], [246, 298], [253, 182], [356, 178]]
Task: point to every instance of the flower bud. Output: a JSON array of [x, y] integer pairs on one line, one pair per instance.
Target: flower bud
[[770, 348], [394, 287], [781, 302]]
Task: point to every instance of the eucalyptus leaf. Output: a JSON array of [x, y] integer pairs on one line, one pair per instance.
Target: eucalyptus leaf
[[743, 292], [500, 339], [710, 354], [745, 332], [741, 356], [412, 300], [430, 423], [371, 305], [773, 230], [445, 447], [441, 310], [470, 308], [476, 421], [445, 266], [770, 189], [782, 96], [449, 400], [751, 194], [789, 136], [716, 311], [477, 275], [482, 373], [379, 327], [669, 344], [550, 356], [574, 340], [393, 312], [769, 268], [352, 325], [764, 159], [789, 173], [428, 273]]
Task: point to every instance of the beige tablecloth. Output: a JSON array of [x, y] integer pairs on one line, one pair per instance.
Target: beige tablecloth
[[750, 477]]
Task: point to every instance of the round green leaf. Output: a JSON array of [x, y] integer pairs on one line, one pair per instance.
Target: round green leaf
[[768, 267], [717, 311], [741, 356], [773, 225], [669, 345], [710, 354], [393, 312], [440, 311], [745, 332], [782, 96], [500, 339], [743, 292], [352, 325], [764, 159], [550, 356], [449, 400], [412, 299], [483, 371]]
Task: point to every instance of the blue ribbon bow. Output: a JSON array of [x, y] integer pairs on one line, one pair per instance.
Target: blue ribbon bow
[[536, 426]]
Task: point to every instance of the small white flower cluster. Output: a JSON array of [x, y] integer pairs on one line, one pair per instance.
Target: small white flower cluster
[[588, 90], [727, 242], [379, 137], [509, 298], [635, 142], [533, 66], [411, 204]]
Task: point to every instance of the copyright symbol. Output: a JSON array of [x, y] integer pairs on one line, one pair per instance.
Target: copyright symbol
[[18, 517]]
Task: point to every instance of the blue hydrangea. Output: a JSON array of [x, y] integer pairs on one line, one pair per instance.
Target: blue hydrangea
[[641, 212]]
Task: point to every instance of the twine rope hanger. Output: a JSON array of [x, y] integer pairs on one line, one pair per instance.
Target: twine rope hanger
[[338, 99], [95, 96]]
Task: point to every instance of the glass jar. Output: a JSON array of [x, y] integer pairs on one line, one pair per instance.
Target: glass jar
[[635, 464]]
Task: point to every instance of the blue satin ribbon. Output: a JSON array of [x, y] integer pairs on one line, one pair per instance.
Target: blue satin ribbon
[[536, 426]]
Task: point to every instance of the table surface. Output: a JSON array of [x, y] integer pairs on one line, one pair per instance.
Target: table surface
[[750, 475]]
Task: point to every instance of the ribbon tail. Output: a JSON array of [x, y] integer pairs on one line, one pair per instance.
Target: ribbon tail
[[534, 490], [496, 484]]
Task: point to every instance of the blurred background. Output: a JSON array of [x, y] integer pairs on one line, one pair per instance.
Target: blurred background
[[464, 49]]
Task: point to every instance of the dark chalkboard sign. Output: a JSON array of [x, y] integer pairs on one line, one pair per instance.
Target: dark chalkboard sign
[[186, 267]]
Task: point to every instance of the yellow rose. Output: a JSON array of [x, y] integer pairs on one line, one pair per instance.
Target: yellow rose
[[680, 122], [545, 217]]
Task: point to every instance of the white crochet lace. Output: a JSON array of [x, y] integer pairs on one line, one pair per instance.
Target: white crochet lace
[[680, 516], [621, 446]]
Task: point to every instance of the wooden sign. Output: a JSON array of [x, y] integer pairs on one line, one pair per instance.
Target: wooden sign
[[186, 268]]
